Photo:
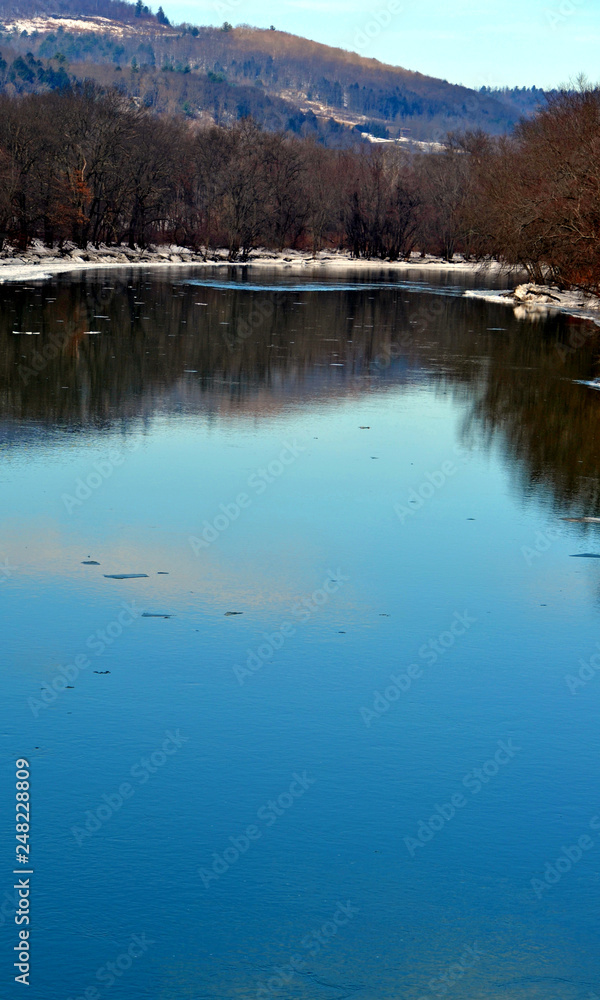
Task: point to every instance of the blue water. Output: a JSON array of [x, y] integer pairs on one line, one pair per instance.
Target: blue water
[[376, 488]]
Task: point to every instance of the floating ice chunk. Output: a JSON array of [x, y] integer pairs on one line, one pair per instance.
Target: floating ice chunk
[[125, 576]]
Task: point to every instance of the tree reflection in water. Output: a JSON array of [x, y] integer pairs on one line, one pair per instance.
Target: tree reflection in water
[[167, 346]]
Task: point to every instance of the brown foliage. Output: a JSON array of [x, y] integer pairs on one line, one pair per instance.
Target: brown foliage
[[539, 193], [91, 165]]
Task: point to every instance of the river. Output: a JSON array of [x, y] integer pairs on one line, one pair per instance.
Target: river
[[336, 733]]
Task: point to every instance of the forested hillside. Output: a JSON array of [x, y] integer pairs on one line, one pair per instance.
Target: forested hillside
[[226, 74], [87, 166]]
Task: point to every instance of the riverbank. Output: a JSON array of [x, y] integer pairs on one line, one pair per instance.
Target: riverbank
[[40, 262], [536, 301]]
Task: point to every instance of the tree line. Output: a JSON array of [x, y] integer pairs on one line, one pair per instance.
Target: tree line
[[90, 166]]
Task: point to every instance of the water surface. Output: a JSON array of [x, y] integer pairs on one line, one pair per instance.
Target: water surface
[[373, 476]]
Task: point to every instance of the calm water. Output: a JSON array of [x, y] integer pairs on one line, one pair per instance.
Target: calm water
[[346, 788]]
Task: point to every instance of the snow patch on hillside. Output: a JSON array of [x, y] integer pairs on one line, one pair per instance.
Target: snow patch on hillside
[[424, 147], [48, 23]]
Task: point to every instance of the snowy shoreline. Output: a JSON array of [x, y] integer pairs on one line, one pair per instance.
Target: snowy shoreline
[[531, 301], [40, 263]]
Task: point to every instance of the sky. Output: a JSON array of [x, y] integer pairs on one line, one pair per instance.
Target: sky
[[473, 42]]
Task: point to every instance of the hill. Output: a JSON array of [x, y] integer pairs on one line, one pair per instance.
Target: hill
[[284, 81]]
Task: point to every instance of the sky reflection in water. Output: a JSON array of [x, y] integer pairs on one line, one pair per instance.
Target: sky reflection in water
[[339, 406]]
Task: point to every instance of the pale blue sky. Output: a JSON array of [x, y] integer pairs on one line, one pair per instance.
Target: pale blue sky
[[474, 42]]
